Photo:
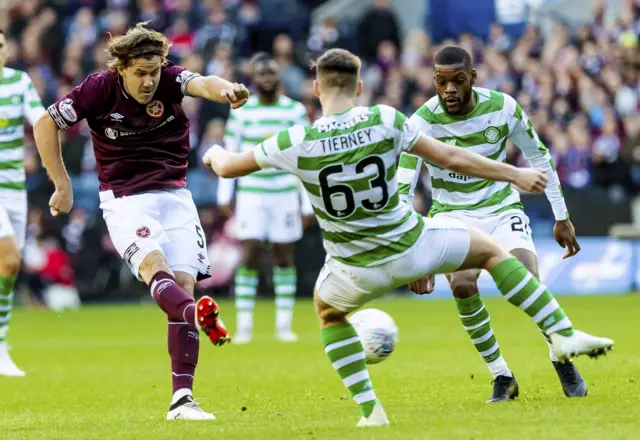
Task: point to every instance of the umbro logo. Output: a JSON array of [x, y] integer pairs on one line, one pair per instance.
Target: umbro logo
[[116, 117]]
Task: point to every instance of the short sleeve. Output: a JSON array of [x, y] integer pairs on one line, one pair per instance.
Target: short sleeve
[[408, 133], [175, 80], [281, 150], [80, 103], [32, 104]]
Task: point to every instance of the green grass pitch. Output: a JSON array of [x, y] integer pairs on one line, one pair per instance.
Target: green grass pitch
[[103, 373]]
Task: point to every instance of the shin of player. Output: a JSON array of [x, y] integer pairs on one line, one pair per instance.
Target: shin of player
[[374, 242], [140, 135]]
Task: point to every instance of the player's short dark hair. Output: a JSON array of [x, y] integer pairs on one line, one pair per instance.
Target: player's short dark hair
[[338, 68], [138, 42], [452, 55]]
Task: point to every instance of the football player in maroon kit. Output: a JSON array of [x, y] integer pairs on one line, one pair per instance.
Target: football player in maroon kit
[[141, 142]]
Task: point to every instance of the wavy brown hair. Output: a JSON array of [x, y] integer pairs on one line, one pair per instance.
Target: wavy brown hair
[[138, 42]]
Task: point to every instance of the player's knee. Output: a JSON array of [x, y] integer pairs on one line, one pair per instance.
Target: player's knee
[[186, 281], [9, 257], [283, 255], [463, 287], [10, 264], [253, 250], [328, 314], [153, 263]]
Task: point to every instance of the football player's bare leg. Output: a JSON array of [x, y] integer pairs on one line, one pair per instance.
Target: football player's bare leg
[[521, 288], [246, 287], [284, 286], [9, 268], [346, 354]]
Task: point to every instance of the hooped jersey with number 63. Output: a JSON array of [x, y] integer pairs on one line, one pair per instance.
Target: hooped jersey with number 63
[[347, 164]]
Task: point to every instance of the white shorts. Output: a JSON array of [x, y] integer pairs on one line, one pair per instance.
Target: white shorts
[[13, 216], [165, 220], [441, 248], [510, 228], [272, 217]]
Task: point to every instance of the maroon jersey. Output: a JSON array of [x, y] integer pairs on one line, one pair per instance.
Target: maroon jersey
[[138, 147]]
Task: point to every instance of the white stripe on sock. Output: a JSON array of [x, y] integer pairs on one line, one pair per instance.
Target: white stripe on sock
[[244, 290], [367, 396], [348, 360], [564, 323], [483, 338], [288, 289], [519, 287], [480, 324], [546, 311], [285, 302], [245, 303], [182, 375], [355, 378], [339, 344], [534, 296], [491, 350], [473, 314], [178, 323]]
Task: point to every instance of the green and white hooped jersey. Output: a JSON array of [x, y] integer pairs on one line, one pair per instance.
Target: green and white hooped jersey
[[250, 125], [347, 164], [495, 118], [18, 101]]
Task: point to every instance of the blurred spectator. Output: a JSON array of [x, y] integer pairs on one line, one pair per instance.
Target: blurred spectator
[[377, 25], [291, 75]]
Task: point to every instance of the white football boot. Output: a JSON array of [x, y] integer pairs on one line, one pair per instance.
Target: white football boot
[[377, 418], [286, 336], [187, 409], [580, 343], [242, 337], [7, 366]]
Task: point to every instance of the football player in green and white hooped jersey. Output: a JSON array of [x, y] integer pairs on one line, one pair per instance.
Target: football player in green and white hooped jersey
[[18, 101], [269, 204], [482, 120], [375, 243]]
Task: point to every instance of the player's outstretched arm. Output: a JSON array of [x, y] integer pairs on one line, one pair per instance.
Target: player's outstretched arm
[[46, 136], [218, 89], [227, 164], [471, 164]]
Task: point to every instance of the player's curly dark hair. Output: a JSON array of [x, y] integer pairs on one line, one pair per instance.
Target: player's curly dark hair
[[138, 42]]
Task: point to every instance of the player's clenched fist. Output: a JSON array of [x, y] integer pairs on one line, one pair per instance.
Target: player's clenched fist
[[236, 95], [531, 180], [61, 201]]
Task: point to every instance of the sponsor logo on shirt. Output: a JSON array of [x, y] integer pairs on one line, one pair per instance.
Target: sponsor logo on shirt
[[117, 117], [135, 133], [155, 109], [67, 111]]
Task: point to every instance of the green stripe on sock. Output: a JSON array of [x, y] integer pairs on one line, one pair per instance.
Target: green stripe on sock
[[334, 334], [509, 274], [473, 314]]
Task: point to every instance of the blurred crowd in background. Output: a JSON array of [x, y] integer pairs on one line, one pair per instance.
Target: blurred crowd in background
[[579, 85]]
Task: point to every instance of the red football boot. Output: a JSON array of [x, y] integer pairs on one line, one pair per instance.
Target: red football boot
[[208, 321]]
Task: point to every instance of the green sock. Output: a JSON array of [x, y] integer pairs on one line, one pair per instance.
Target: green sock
[[343, 347], [520, 288], [246, 284], [6, 304], [284, 284], [477, 322]]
